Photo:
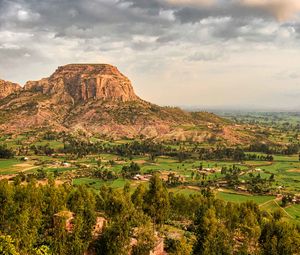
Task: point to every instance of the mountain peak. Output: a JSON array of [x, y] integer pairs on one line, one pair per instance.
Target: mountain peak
[[87, 81], [88, 69]]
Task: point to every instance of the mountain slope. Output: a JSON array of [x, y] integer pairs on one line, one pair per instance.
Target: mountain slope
[[98, 99]]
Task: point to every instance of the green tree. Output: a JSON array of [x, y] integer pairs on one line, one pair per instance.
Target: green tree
[[157, 204], [115, 239], [43, 250], [212, 235], [7, 246], [145, 240]]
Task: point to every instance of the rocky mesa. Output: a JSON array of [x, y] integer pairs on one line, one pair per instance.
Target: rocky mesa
[[82, 82], [98, 99]]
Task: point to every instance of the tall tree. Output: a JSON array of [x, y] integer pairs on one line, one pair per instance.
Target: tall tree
[[157, 204]]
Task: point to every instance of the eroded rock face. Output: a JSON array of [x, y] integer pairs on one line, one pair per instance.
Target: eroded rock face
[[83, 82], [7, 88]]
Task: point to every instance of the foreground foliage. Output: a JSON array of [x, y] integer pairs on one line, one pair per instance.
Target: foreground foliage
[[211, 226]]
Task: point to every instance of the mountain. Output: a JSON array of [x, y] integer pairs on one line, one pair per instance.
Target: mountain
[[7, 88], [81, 83], [98, 99]]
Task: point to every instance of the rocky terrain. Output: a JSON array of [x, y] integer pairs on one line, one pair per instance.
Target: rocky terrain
[[98, 99], [7, 88]]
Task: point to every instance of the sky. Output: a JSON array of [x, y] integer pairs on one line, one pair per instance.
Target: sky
[[235, 54]]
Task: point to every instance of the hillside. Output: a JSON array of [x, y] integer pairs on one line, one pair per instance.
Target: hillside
[[98, 99]]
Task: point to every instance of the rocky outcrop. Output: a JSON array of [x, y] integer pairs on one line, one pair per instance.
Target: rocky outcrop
[[98, 99], [83, 82], [7, 88]]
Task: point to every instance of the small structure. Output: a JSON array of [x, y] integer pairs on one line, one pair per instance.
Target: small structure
[[24, 159], [139, 177], [65, 217], [65, 164], [222, 183], [296, 199]]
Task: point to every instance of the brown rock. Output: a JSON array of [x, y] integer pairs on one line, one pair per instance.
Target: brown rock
[[83, 82], [7, 88]]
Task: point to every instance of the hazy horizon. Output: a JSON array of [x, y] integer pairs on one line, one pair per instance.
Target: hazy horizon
[[218, 54]]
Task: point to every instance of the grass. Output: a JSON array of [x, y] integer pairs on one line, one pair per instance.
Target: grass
[[270, 206], [184, 191], [52, 144], [96, 183], [13, 166], [294, 211], [241, 198], [8, 163]]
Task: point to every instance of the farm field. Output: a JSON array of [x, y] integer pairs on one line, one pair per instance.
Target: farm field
[[254, 179], [241, 198]]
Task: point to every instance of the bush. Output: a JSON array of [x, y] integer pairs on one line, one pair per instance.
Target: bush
[[6, 152]]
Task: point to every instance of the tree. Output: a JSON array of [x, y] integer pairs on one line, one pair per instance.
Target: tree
[[278, 237], [131, 170], [212, 235], [5, 152], [145, 240], [43, 250], [157, 203], [7, 246], [115, 239], [138, 196], [178, 247]]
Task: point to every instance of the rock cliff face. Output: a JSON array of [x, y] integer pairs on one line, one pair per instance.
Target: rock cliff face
[[7, 88], [83, 82]]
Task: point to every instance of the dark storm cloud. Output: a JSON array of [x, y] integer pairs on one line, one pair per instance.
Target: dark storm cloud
[[34, 30], [78, 18], [165, 39], [236, 11], [121, 20]]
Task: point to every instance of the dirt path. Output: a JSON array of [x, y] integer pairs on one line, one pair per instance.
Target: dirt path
[[29, 168], [283, 210], [276, 202]]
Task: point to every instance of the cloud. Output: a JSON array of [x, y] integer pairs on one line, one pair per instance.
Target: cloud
[[157, 43], [197, 3], [281, 9], [206, 56]]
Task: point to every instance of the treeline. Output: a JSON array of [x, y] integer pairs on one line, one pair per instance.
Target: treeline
[[29, 222], [83, 146], [153, 150], [5, 152], [280, 150]]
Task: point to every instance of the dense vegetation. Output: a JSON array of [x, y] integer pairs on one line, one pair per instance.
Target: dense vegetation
[[29, 223], [5, 152], [148, 190]]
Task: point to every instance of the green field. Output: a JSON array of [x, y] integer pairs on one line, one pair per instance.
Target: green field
[[96, 183], [240, 198]]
